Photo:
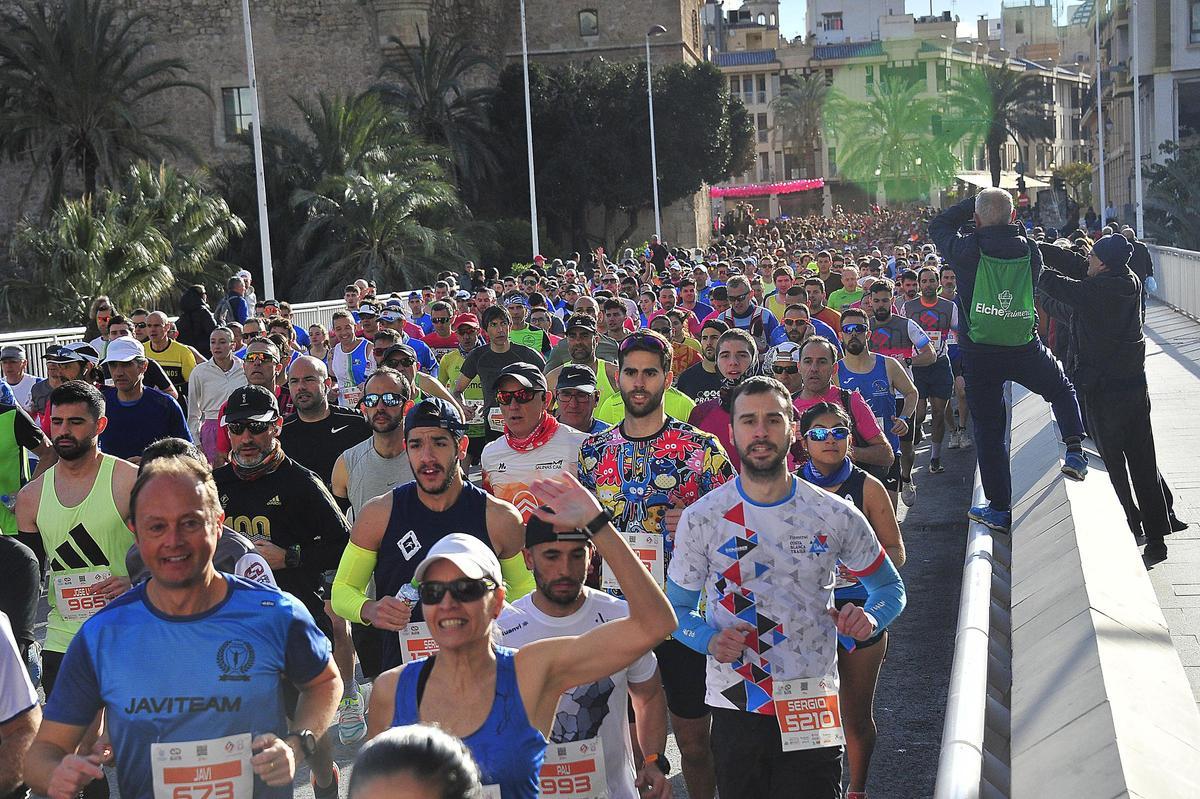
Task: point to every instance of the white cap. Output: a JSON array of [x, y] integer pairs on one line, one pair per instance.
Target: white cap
[[244, 274], [124, 349], [471, 555]]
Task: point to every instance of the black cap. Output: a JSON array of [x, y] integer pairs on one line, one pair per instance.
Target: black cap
[[538, 531], [577, 375], [251, 404], [434, 412], [524, 373], [581, 321]]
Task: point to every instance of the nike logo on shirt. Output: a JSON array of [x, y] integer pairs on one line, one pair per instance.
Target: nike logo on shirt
[[336, 430]]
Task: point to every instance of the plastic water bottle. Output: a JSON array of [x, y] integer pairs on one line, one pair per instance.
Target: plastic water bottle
[[9, 500], [1151, 284], [408, 594]]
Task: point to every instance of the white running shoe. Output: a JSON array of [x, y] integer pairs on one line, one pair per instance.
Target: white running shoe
[[908, 493], [352, 719]]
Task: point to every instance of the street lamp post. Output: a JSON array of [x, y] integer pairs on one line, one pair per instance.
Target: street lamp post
[[1100, 121], [264, 230], [657, 30], [1134, 35], [533, 223]]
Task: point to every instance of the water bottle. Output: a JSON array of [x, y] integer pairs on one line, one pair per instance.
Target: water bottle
[[9, 500], [1151, 284], [408, 594]]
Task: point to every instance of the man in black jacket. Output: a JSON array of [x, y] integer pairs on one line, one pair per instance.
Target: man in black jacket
[[1102, 298], [997, 268]]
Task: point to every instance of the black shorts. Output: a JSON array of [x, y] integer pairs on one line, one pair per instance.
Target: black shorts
[[935, 380], [683, 672], [889, 475], [51, 663], [914, 434], [874, 639], [750, 762]]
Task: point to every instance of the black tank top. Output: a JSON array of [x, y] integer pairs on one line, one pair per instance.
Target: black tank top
[[853, 488]]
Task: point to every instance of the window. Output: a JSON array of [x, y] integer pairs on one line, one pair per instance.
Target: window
[[236, 102], [833, 162], [764, 166], [1194, 36], [870, 76], [747, 89], [829, 77], [1020, 23], [762, 89], [943, 77], [762, 128], [589, 22], [1189, 109], [831, 22], [735, 85]]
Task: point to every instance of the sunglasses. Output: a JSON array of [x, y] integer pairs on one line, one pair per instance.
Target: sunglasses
[[644, 340], [140, 325], [399, 363], [738, 297], [824, 433], [855, 327], [463, 590], [388, 398], [794, 322], [259, 357], [785, 370], [521, 395], [255, 428], [441, 320]]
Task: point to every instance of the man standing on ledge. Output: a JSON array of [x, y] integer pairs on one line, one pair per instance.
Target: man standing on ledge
[[997, 269]]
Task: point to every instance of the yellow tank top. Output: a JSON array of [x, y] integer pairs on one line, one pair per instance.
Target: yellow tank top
[[603, 385], [84, 544]]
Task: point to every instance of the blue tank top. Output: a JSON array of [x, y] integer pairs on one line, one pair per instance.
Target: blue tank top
[[507, 748], [876, 388], [411, 530]]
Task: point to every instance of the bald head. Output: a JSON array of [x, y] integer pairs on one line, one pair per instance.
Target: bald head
[[308, 365], [993, 206]]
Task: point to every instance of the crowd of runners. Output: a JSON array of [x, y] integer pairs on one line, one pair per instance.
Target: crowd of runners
[[511, 529]]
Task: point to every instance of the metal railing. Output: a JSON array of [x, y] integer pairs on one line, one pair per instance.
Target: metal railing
[[36, 342], [1177, 273]]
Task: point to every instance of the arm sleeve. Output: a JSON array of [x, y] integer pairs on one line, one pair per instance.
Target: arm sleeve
[[354, 573], [76, 696], [693, 630], [307, 651], [518, 580], [886, 597]]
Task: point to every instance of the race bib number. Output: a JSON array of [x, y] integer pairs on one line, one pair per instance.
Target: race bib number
[[574, 770], [496, 420], [73, 593], [649, 549], [474, 409], [416, 643], [352, 396], [491, 792], [215, 769], [808, 713]]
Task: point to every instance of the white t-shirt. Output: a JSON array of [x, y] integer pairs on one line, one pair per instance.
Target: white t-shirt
[[16, 691], [508, 473], [599, 708], [22, 391], [772, 567]]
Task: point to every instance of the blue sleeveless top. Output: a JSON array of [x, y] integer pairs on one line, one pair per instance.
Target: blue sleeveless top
[[411, 530], [507, 748], [876, 388]]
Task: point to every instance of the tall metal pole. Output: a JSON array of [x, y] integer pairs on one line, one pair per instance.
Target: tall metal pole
[[653, 149], [1137, 117], [1100, 119], [533, 223], [264, 230]]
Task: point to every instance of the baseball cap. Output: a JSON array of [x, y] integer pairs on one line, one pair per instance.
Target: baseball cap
[[462, 294], [434, 412], [244, 274], [524, 373], [401, 349], [581, 321], [123, 350], [76, 352], [578, 376], [250, 404], [788, 350], [413, 295], [12, 352], [473, 557], [368, 309], [516, 299], [468, 319]]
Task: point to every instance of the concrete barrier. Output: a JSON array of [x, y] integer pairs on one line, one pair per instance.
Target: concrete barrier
[[1100, 704]]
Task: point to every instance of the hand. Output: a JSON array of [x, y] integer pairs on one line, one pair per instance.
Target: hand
[[72, 774], [103, 749], [727, 645], [571, 505], [853, 621], [275, 763], [276, 557], [899, 427], [652, 783], [111, 588], [387, 613]]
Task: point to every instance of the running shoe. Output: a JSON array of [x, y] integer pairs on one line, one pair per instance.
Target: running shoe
[[1156, 550], [935, 466], [1075, 465], [955, 439], [908, 493], [352, 719], [330, 791], [964, 440], [998, 520]]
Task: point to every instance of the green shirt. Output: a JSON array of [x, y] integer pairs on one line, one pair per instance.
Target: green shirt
[[450, 368], [841, 299]]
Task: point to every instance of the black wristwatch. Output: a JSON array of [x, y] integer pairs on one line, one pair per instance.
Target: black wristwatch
[[291, 557], [597, 524], [661, 761], [308, 741]]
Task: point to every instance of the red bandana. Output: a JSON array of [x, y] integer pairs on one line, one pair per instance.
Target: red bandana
[[541, 434]]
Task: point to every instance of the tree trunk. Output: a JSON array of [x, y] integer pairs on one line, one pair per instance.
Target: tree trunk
[[993, 151], [89, 173], [624, 235]]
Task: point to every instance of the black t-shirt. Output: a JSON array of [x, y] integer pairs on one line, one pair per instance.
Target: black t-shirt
[[317, 445], [487, 363], [699, 384], [288, 507]]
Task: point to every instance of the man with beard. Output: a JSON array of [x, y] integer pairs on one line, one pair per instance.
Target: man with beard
[[73, 516], [466, 327], [645, 471], [377, 464], [814, 294], [777, 515], [562, 605], [701, 381], [137, 416], [799, 324], [878, 379], [935, 382], [736, 358], [290, 516], [264, 367], [581, 343], [393, 532]]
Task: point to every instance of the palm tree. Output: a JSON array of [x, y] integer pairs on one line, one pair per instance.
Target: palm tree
[[990, 104], [77, 89], [891, 139], [1173, 197], [798, 116], [430, 83]]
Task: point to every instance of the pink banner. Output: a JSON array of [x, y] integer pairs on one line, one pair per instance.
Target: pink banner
[[760, 189]]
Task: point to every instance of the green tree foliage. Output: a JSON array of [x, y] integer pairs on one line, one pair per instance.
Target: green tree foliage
[[1172, 196], [890, 141], [798, 116], [139, 245], [78, 87], [592, 142], [989, 104], [1078, 177]]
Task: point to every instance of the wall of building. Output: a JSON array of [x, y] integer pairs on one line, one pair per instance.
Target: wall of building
[[858, 21]]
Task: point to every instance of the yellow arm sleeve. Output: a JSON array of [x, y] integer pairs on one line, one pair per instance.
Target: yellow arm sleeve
[[350, 585], [518, 580]]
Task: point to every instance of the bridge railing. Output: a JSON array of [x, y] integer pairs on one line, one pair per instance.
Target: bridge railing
[[1177, 273]]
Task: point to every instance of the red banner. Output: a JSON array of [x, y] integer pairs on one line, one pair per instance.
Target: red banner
[[760, 189]]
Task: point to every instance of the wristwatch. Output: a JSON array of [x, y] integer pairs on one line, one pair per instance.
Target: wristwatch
[[308, 741], [291, 557], [597, 524], [659, 760]]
